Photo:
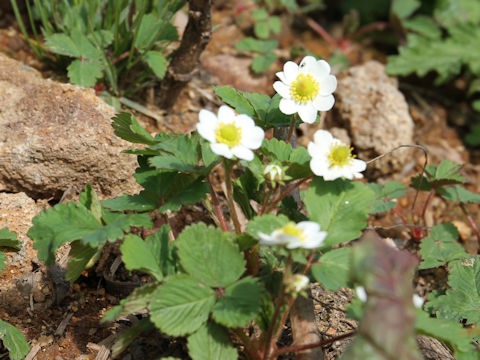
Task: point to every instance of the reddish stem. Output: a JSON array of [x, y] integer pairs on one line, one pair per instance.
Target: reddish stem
[[321, 31], [309, 264], [218, 209], [287, 191], [294, 348], [472, 222], [376, 26]]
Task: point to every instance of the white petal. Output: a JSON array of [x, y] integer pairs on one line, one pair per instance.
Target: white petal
[[282, 77], [206, 131], [358, 165], [222, 150], [294, 244], [333, 174], [288, 107], [327, 85], [312, 243], [244, 121], [282, 89], [307, 113], [207, 117], [253, 138], [323, 103], [226, 114], [243, 153], [309, 227], [290, 70], [322, 137], [324, 66], [307, 65], [361, 293], [319, 166]]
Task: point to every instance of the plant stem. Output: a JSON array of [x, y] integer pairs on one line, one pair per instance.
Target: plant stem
[[291, 128], [294, 348], [287, 191], [472, 222], [228, 165], [378, 26], [276, 312], [218, 209], [250, 347], [424, 210], [321, 31]]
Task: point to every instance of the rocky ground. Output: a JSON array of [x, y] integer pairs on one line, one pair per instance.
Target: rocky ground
[[55, 138]]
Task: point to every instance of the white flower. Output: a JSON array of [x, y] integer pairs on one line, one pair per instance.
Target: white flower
[[305, 234], [361, 293], [333, 159], [306, 88], [274, 172], [418, 301], [230, 134], [297, 283]]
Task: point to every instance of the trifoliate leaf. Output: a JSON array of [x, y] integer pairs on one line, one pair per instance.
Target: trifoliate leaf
[[441, 246], [262, 62], [265, 224], [139, 299], [261, 30], [85, 72], [275, 24], [127, 127], [211, 342], [181, 305], [450, 332], [239, 304], [62, 44], [255, 45], [333, 269], [341, 207], [207, 256], [459, 194], [157, 63], [462, 300], [14, 340], [179, 153], [79, 256], [453, 12], [384, 194], [137, 255], [446, 173], [9, 239]]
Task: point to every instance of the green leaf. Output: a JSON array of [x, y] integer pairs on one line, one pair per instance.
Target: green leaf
[[127, 127], [89, 199], [9, 239], [333, 269], [211, 342], [78, 258], [62, 44], [459, 194], [255, 45], [157, 63], [58, 225], [235, 99], [405, 8], [447, 173], [275, 24], [262, 62], [129, 202], [473, 137], [181, 305], [14, 340], [261, 30], [454, 12], [462, 300], [260, 14], [3, 259], [341, 207], [424, 26], [207, 256], [441, 246], [138, 300], [138, 256], [239, 304], [450, 332], [85, 72], [276, 149], [384, 194], [274, 116], [148, 31], [266, 224], [159, 245], [179, 152]]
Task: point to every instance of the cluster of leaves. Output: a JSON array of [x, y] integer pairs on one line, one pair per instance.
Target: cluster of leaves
[[443, 39], [12, 338], [106, 39]]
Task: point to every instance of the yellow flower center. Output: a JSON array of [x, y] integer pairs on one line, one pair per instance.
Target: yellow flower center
[[304, 88], [293, 230], [228, 134], [340, 155]]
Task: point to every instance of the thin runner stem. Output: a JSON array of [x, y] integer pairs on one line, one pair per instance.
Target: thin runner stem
[[228, 183]]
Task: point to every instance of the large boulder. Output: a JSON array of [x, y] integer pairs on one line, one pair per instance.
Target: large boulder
[[375, 114], [56, 137]]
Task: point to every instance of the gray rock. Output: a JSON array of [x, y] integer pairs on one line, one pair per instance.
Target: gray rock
[[57, 136], [375, 114]]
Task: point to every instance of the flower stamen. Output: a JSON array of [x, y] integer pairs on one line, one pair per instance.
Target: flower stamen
[[340, 155], [292, 229], [228, 133], [304, 88]]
